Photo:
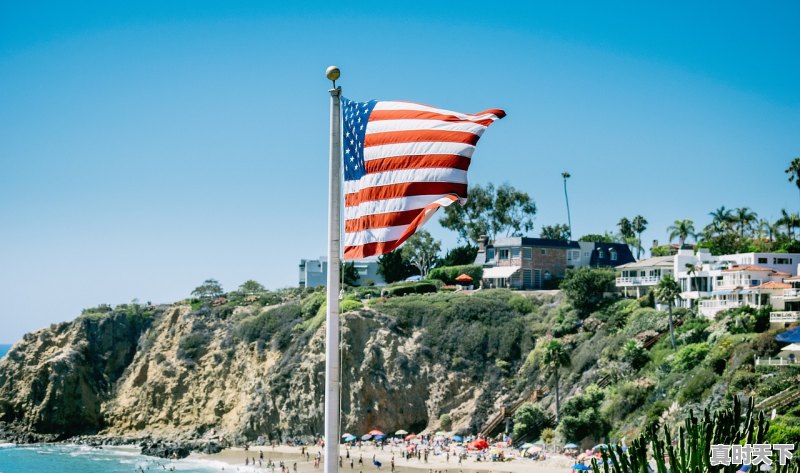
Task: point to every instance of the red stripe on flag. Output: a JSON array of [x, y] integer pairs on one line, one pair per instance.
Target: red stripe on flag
[[405, 189], [383, 247], [378, 115], [420, 161], [416, 136], [388, 219]]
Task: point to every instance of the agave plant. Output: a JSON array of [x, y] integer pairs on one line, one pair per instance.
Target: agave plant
[[691, 452]]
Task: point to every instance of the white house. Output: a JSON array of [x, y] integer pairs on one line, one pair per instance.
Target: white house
[[723, 282], [638, 278], [787, 302], [314, 272]]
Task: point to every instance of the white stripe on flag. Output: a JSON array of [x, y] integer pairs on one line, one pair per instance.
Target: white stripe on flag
[[374, 235], [458, 176], [382, 126], [400, 204], [413, 149]]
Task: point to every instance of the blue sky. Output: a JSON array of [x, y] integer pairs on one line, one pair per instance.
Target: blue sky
[[147, 146]]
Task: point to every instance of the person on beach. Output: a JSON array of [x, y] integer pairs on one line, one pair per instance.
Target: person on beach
[[392, 464], [261, 455], [340, 461], [294, 467], [360, 460]]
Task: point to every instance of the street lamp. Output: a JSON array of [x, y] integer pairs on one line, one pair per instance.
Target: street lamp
[[566, 176]]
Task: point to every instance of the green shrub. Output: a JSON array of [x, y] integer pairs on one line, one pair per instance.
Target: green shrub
[[634, 354], [522, 304], [585, 288], [421, 287], [270, 323], [779, 432], [581, 416], [690, 356], [448, 274], [697, 385], [445, 421], [744, 381], [629, 396], [529, 420], [193, 345], [348, 305]]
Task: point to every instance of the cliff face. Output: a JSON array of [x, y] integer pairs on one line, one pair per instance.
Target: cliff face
[[55, 380], [183, 373]]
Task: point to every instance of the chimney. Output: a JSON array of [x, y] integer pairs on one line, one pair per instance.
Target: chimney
[[483, 240], [655, 243]]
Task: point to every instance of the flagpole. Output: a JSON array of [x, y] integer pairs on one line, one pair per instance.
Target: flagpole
[[332, 319]]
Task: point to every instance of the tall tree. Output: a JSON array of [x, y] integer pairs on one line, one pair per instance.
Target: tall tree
[[211, 288], [393, 267], [639, 225], [681, 229], [421, 251], [251, 287], [558, 231], [490, 211], [721, 219], [555, 357], [791, 220], [744, 217], [566, 176], [460, 255], [794, 172], [349, 274], [692, 270], [666, 292], [625, 228]]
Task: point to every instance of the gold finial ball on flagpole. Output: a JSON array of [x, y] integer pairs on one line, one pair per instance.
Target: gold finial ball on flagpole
[[332, 73]]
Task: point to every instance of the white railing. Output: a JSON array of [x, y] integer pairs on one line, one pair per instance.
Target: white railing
[[638, 281], [790, 293], [710, 308], [777, 361], [784, 317]]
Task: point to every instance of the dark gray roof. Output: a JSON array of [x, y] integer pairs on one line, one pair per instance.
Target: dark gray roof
[[623, 251], [537, 242]]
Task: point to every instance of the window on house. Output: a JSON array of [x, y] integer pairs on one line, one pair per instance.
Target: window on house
[[490, 254], [576, 254], [543, 251], [503, 254], [755, 282], [613, 255], [762, 260], [547, 275], [515, 252], [781, 261], [601, 254], [586, 254], [527, 253]]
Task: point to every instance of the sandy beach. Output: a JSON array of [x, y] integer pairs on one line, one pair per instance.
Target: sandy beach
[[235, 457]]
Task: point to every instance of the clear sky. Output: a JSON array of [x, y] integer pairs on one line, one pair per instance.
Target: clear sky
[[146, 146]]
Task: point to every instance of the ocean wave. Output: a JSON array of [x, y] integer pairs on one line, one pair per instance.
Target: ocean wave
[[7, 445]]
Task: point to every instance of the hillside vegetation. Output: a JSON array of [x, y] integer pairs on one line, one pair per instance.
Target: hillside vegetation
[[250, 366]]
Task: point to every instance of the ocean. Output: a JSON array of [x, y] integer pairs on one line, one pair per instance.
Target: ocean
[[82, 459], [4, 349]]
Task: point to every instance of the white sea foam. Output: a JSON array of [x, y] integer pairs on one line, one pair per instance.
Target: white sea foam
[[7, 445]]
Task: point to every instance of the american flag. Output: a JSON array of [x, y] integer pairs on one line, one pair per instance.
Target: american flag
[[402, 161]]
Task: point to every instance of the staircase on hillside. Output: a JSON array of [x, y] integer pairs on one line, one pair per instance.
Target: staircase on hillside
[[785, 398], [508, 411]]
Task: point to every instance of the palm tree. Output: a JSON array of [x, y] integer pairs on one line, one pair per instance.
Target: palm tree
[[791, 220], [639, 226], [566, 176], [794, 171], [625, 228], [766, 229], [555, 357], [745, 218], [722, 218], [666, 292], [691, 270], [681, 229]]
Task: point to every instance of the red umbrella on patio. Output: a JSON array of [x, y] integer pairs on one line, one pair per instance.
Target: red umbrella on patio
[[463, 277]]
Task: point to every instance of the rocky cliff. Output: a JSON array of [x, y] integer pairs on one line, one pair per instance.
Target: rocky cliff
[[240, 371]]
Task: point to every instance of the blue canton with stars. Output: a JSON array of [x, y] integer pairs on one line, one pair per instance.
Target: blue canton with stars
[[354, 117]]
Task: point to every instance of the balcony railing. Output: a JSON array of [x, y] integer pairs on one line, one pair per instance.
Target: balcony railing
[[791, 293], [710, 308], [777, 361], [784, 317], [638, 281]]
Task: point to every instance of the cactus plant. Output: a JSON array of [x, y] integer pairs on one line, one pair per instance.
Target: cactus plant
[[691, 451]]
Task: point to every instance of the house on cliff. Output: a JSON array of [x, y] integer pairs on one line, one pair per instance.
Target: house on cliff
[[536, 263]]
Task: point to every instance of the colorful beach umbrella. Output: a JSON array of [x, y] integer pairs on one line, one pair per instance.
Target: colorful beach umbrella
[[581, 467], [375, 432], [479, 444], [570, 446], [366, 437], [457, 438], [401, 432], [411, 436]]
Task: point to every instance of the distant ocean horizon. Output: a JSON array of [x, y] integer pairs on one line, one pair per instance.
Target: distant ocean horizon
[[4, 349]]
